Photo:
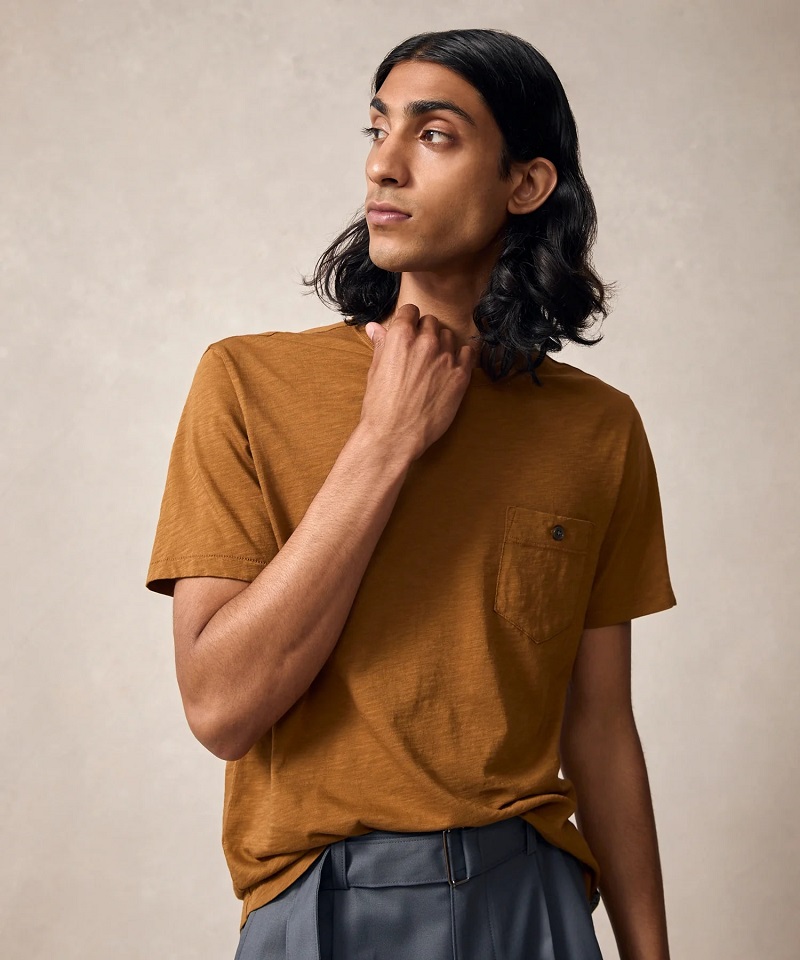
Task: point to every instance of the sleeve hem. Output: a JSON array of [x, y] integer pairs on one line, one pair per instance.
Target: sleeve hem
[[653, 603], [163, 573]]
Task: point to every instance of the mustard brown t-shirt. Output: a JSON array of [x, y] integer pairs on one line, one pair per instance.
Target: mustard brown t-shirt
[[535, 515]]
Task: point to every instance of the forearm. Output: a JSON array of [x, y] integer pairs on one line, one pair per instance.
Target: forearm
[[615, 814], [262, 649]]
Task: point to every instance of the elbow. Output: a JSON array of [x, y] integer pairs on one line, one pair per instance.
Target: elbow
[[216, 735], [221, 737], [209, 723], [224, 749]]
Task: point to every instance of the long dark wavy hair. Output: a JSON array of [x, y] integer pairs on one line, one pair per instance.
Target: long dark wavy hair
[[543, 288]]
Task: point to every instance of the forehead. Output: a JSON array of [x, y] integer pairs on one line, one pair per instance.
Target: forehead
[[417, 80]]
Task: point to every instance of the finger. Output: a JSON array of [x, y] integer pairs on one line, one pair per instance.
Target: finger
[[448, 340], [375, 332], [430, 322], [469, 354], [408, 313]]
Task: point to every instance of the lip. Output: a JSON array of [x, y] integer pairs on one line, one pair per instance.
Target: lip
[[384, 205], [386, 216]]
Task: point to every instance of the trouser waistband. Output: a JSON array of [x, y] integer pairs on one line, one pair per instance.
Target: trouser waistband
[[386, 859]]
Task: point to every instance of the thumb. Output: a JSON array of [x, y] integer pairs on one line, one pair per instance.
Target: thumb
[[375, 332]]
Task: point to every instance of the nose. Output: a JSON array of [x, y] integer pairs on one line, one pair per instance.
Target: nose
[[387, 162]]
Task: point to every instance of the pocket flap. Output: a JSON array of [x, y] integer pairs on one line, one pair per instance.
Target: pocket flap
[[526, 525]]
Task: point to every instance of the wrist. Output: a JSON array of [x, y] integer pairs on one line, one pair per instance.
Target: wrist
[[392, 452]]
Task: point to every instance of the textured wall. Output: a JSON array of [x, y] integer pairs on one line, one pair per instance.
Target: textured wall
[[169, 169]]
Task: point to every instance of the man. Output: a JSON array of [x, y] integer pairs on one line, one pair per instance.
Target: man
[[404, 570]]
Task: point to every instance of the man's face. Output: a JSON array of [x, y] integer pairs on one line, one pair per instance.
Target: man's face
[[446, 180]]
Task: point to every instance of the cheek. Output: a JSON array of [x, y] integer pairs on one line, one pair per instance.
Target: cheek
[[467, 204], [470, 221]]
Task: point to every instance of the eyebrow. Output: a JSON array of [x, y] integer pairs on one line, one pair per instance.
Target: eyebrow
[[417, 108]]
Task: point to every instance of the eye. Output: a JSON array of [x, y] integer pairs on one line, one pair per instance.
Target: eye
[[440, 132], [371, 131]]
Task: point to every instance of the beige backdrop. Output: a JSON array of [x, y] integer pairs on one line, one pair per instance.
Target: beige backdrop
[[168, 170]]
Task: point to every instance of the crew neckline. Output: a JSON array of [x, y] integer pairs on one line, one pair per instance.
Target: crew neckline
[[479, 375]]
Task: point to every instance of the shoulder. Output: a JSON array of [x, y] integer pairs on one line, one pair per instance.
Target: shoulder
[[588, 398], [287, 348], [275, 364]]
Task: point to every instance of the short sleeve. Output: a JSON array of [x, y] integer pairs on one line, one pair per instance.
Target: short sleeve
[[632, 574], [213, 520]]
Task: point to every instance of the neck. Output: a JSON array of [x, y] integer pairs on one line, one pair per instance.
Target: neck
[[452, 302]]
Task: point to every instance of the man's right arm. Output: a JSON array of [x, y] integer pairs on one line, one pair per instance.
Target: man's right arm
[[260, 650]]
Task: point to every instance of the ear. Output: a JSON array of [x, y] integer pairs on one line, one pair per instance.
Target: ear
[[538, 181]]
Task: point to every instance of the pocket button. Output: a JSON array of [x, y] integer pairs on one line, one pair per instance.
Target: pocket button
[[558, 532]]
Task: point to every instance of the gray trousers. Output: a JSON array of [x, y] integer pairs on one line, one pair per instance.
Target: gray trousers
[[496, 892]]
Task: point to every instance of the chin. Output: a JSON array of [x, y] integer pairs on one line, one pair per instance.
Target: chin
[[396, 260]]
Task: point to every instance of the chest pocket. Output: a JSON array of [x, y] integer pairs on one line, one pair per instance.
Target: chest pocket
[[541, 571]]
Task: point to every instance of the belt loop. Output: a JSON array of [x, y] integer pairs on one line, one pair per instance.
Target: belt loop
[[530, 838], [449, 866], [339, 865]]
